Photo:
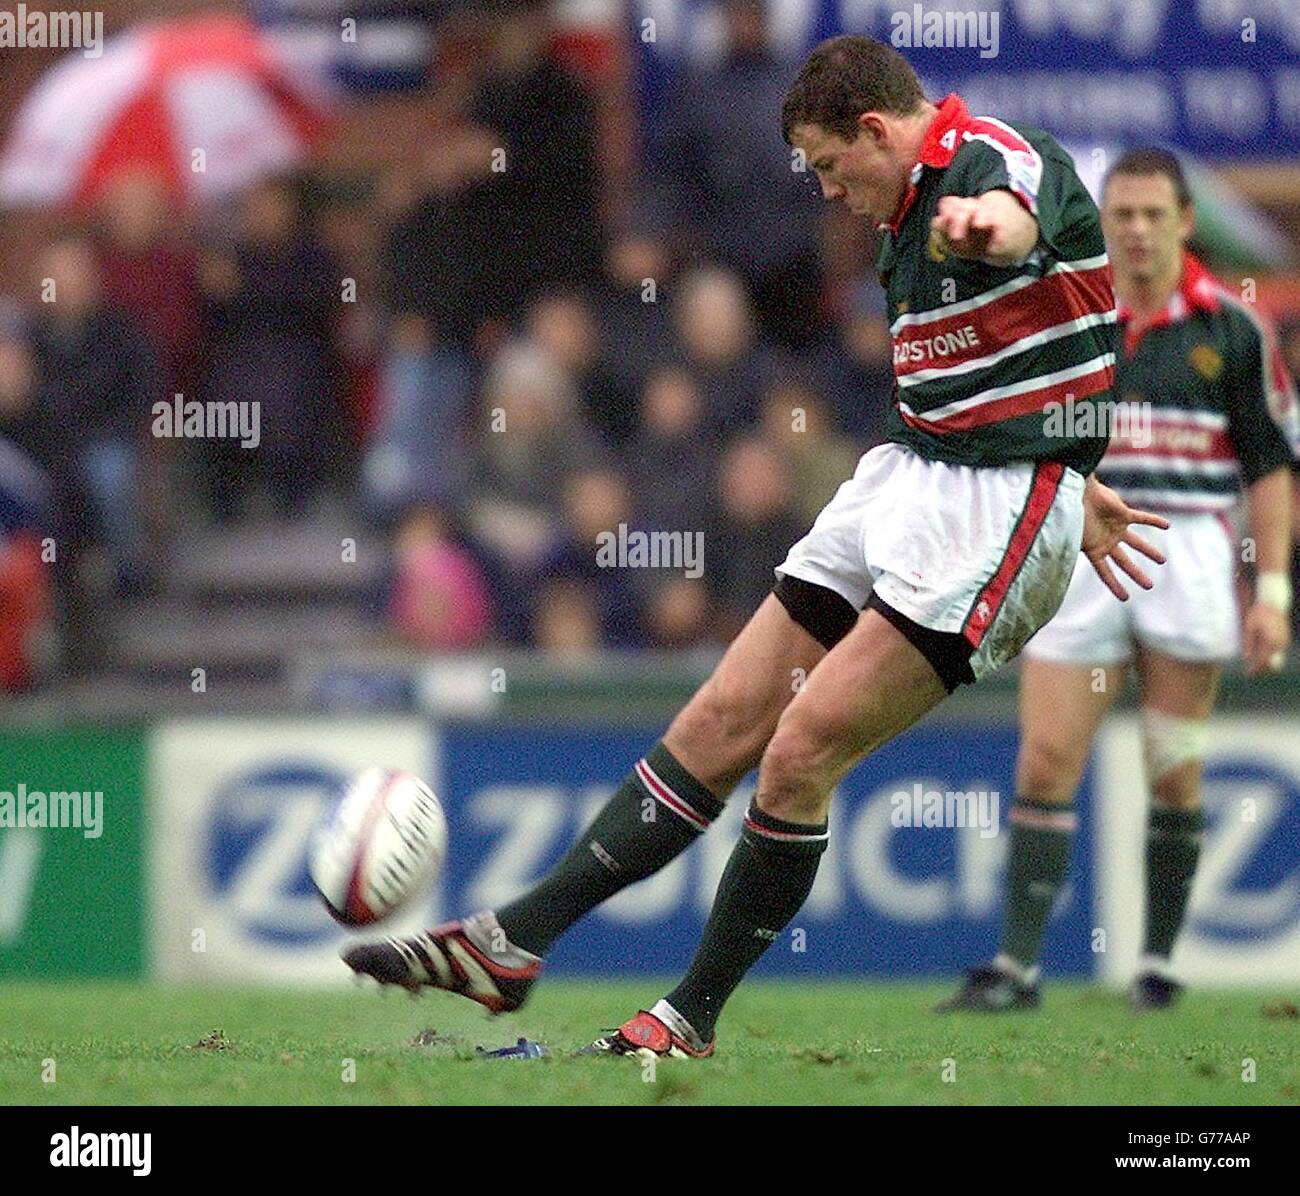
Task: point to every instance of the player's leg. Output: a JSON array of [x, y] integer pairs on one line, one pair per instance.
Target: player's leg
[[669, 798], [676, 790], [870, 688], [873, 685], [1061, 707], [1177, 699]]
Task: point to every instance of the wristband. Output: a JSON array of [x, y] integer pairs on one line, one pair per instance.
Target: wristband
[[1274, 589]]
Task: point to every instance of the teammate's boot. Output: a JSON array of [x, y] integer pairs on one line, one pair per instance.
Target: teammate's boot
[[990, 989], [645, 1036], [1153, 991], [470, 957]]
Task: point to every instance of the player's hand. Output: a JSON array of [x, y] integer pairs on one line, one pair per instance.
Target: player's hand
[[962, 228], [1107, 538], [1266, 637]]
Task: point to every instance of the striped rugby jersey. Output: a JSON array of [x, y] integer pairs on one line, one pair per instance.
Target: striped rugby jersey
[[984, 356], [1222, 410]]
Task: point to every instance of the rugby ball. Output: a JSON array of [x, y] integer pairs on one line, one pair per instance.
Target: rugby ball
[[384, 841]]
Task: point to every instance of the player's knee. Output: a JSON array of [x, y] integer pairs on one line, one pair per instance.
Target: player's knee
[[1174, 748], [1048, 770], [794, 779], [721, 724]]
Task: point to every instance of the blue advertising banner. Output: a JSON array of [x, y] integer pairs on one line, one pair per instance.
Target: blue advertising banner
[[895, 895], [1243, 919], [1220, 78]]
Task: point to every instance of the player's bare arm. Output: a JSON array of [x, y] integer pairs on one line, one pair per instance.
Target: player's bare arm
[[994, 228], [1107, 536], [1266, 633]]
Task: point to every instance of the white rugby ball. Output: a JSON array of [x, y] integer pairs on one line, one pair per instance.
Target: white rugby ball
[[384, 841]]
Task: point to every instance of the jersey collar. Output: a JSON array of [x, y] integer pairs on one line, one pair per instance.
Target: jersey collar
[[1196, 291], [938, 148]]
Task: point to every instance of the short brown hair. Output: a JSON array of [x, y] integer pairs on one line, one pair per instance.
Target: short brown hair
[[845, 77], [1148, 161]]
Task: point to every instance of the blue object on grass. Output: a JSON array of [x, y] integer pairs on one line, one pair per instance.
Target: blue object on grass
[[523, 1049]]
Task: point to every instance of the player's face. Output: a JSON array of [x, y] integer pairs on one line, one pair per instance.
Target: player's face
[[1144, 226], [864, 172]]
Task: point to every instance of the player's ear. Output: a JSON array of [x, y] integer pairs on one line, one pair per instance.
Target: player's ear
[[873, 125]]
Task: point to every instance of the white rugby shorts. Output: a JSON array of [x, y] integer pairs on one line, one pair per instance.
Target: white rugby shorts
[[984, 552], [1189, 613]]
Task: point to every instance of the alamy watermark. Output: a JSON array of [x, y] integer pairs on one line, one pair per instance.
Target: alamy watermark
[[72, 810], [921, 807], [98, 1148], [625, 549], [1129, 422], [920, 28], [193, 420], [55, 29]]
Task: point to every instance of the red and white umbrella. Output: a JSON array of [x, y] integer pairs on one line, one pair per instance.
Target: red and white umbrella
[[208, 104]]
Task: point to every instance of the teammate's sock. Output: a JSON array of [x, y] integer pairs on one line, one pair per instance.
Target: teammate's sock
[[1173, 848], [658, 811], [1040, 851], [766, 881]]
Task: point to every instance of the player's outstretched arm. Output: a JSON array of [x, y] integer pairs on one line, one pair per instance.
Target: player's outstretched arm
[[1106, 519], [994, 228]]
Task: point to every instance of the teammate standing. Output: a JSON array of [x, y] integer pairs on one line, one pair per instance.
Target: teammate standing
[[947, 549], [1207, 405]]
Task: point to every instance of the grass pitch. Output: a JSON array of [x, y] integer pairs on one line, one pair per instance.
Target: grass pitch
[[805, 1044]]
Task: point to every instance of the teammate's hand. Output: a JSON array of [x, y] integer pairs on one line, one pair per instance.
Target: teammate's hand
[[1266, 637], [1106, 519]]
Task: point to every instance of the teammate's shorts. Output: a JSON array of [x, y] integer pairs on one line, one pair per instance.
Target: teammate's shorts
[[981, 556], [1189, 613]]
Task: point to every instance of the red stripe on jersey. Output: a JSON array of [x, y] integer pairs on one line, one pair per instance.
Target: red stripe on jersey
[[1042, 493], [1050, 300], [1016, 405], [1168, 439]]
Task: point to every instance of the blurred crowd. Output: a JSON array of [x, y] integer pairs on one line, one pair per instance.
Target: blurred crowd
[[468, 353], [472, 354]]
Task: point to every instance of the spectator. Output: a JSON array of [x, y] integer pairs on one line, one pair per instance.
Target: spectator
[[271, 304], [1289, 341], [47, 518], [150, 271], [669, 464], [34, 429], [566, 622], [562, 323], [728, 172], [856, 369], [629, 300], [540, 121], [758, 524], [528, 441], [98, 381], [715, 328], [678, 614], [439, 599], [797, 422], [24, 579], [441, 252], [419, 446], [596, 502]]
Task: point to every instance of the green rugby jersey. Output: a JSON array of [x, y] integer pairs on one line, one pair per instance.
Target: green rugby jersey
[[994, 365], [1207, 405]]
